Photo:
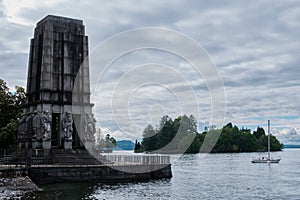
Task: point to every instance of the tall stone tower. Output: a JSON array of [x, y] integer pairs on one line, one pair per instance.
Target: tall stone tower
[[57, 52]]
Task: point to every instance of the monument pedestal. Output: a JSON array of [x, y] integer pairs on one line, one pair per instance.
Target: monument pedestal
[[36, 145], [89, 145], [68, 144], [47, 144]]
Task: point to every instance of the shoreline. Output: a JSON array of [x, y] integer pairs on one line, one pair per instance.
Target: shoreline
[[16, 187]]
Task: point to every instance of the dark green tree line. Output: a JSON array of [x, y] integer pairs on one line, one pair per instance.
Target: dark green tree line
[[11, 107], [171, 136], [181, 135]]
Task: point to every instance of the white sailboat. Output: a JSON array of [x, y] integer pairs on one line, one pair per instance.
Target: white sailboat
[[268, 158]]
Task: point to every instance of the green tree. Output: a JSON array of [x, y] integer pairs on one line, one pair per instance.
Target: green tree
[[165, 134], [225, 142], [259, 132], [6, 104], [233, 139], [11, 106], [275, 145], [172, 136], [137, 147], [108, 142], [149, 142], [8, 135], [182, 134]]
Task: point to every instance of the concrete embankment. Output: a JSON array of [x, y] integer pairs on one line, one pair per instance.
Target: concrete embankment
[[17, 181], [105, 174]]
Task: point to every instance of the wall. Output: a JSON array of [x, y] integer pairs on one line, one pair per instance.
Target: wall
[[104, 174]]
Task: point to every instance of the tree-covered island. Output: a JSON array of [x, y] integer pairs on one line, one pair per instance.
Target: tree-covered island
[[173, 136]]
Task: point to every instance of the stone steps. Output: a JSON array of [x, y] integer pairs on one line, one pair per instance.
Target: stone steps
[[55, 156], [73, 157]]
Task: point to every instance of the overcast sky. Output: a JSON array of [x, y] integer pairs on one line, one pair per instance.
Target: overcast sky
[[255, 46]]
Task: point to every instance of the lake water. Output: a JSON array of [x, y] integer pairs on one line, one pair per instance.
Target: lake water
[[216, 176]]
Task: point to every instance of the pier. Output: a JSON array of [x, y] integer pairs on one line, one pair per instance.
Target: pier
[[116, 168], [138, 159]]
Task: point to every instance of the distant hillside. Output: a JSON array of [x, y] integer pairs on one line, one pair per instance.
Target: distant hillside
[[288, 146], [125, 145]]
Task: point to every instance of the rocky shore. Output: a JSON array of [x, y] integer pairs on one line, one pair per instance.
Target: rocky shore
[[16, 187]]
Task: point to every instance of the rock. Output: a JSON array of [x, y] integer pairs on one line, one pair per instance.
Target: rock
[[15, 188]]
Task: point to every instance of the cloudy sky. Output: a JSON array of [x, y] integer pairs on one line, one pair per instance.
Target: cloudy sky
[[254, 45]]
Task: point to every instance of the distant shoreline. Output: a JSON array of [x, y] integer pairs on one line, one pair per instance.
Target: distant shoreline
[[291, 146]]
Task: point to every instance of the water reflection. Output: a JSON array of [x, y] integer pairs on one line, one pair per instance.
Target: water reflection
[[155, 189]]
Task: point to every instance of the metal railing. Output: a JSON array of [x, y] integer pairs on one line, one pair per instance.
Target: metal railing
[[7, 152], [138, 159]]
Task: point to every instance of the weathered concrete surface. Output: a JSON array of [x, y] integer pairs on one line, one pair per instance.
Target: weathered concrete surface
[[104, 174]]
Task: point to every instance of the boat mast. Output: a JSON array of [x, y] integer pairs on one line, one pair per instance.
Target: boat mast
[[268, 139]]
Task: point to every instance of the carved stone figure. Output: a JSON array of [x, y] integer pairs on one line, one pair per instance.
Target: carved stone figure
[[67, 123], [37, 126], [29, 128], [22, 127], [46, 119], [89, 126]]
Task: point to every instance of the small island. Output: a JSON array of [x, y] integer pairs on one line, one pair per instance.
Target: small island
[[182, 131]]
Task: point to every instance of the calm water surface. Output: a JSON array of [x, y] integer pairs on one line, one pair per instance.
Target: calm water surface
[[216, 176]]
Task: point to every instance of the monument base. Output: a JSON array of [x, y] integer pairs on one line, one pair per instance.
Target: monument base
[[21, 145], [37, 153], [89, 145], [68, 144], [36, 145], [47, 144]]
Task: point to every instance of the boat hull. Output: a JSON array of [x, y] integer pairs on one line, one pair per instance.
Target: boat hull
[[265, 161]]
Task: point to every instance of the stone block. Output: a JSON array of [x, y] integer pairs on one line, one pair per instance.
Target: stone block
[[38, 153], [36, 145], [26, 145], [47, 107], [68, 144], [47, 144], [56, 108], [47, 152], [67, 107], [89, 145]]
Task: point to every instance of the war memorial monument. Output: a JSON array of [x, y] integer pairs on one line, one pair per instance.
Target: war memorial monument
[[57, 51], [56, 130]]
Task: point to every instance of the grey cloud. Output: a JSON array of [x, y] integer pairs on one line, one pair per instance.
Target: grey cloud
[[287, 135], [2, 13], [13, 69]]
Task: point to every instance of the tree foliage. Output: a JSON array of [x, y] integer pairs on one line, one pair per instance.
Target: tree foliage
[[11, 107], [137, 147], [181, 135], [108, 142], [171, 136], [259, 132]]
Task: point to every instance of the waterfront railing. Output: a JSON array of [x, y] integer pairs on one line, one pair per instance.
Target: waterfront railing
[[138, 159], [7, 152]]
